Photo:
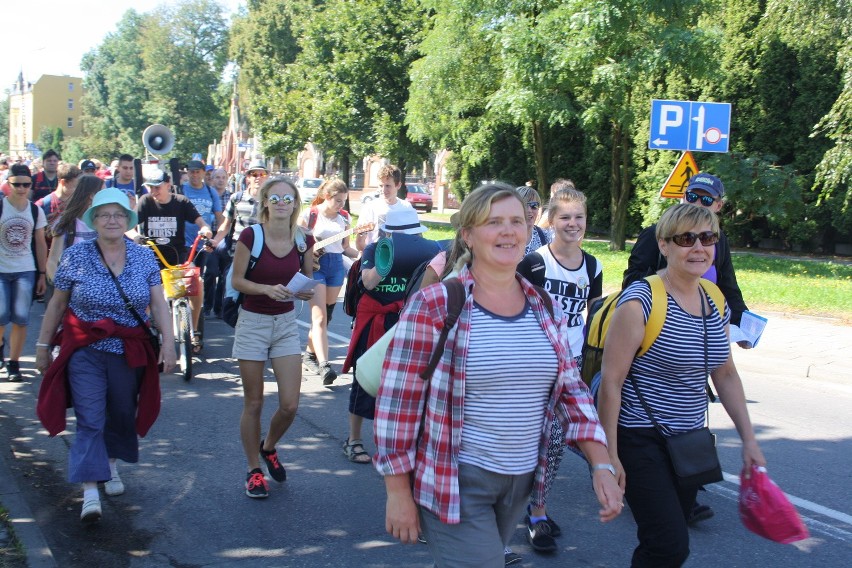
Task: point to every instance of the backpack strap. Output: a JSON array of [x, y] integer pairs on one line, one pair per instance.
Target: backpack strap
[[715, 294], [657, 317], [312, 217], [256, 247], [455, 303], [546, 299], [591, 266]]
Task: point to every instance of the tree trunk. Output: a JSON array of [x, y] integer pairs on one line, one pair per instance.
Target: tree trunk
[[619, 187], [344, 173], [540, 151]]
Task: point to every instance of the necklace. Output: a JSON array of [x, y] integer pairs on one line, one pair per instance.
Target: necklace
[[680, 304]]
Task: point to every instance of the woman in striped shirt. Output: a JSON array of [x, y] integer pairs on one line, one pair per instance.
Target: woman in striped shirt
[[482, 448], [671, 377]]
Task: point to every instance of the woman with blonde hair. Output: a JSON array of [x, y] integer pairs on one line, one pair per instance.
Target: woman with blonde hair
[[326, 218], [462, 452], [648, 399], [70, 229], [266, 328]]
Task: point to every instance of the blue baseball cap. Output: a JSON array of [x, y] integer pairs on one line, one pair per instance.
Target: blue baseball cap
[[707, 182]]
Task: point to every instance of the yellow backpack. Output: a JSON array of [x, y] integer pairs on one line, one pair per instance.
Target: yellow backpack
[[601, 314]]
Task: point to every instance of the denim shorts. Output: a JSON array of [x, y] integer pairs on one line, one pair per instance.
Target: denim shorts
[[331, 271], [16, 296]]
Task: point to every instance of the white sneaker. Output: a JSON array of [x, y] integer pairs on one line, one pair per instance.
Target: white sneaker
[[91, 512], [114, 486]]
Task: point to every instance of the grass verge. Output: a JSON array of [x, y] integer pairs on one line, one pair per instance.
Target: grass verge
[[12, 553], [769, 283]]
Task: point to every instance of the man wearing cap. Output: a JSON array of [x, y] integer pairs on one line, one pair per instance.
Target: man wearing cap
[[23, 257], [88, 167], [163, 216], [390, 179], [702, 190], [123, 178], [240, 212], [379, 307]]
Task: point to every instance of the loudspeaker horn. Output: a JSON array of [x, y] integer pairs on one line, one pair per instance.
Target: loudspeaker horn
[[158, 139]]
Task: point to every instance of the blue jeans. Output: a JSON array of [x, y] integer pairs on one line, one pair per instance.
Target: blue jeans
[[104, 393], [16, 296]]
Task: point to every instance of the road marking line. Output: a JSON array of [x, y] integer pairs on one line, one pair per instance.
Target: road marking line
[[813, 524], [330, 333]]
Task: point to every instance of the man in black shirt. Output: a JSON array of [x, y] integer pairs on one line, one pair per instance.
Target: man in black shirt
[[163, 216]]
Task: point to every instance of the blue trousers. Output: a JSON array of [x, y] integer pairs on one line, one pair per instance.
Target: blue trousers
[[104, 391]]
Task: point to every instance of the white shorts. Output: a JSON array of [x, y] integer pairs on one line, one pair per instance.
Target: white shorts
[[260, 337]]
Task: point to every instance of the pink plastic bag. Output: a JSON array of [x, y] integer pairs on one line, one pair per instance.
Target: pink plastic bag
[[766, 511]]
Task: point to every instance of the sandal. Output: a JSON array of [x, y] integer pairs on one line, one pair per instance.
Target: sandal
[[197, 342], [355, 451]]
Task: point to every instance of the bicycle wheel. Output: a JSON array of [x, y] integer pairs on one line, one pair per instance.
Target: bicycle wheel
[[183, 335]]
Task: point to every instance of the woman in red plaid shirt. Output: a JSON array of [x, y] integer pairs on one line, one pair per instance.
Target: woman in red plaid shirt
[[504, 373]]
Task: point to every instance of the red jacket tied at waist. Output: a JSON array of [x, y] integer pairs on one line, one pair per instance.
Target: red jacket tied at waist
[[371, 313], [54, 395]]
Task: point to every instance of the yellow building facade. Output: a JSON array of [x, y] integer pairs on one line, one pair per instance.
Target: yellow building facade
[[52, 101]]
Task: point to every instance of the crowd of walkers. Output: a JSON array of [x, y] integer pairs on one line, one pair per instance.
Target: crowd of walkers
[[480, 391]]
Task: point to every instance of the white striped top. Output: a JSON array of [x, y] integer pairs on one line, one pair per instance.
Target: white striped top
[[509, 373], [671, 374]]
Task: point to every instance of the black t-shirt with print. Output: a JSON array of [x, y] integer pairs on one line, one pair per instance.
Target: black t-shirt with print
[[166, 224]]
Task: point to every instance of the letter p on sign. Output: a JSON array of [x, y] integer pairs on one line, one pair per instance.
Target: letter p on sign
[[670, 116]]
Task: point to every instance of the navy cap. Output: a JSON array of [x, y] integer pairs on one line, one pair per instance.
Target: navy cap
[[707, 182], [195, 165]]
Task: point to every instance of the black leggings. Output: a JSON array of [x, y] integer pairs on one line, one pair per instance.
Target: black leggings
[[659, 506]]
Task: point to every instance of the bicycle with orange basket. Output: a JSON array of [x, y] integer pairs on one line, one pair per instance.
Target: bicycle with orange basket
[[180, 282]]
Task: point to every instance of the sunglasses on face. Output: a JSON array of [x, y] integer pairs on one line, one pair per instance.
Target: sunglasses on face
[[533, 205], [257, 174], [706, 200], [20, 183], [706, 238], [276, 199]]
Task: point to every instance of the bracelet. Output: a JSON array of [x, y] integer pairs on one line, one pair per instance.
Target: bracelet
[[602, 466], [41, 271], [45, 345]]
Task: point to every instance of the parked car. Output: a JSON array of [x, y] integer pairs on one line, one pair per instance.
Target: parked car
[[308, 188], [419, 197], [370, 195]]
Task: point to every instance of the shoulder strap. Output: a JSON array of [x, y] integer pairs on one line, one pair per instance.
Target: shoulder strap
[[312, 218], [455, 303], [545, 298], [591, 266], [256, 245], [715, 294], [125, 299], [657, 317]]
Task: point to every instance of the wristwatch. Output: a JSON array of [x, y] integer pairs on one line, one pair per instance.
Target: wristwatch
[[607, 466]]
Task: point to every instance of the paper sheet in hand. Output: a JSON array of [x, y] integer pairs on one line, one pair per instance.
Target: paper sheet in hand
[[750, 329], [301, 283]]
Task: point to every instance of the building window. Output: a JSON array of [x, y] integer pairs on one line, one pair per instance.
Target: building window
[[70, 104], [70, 122], [70, 87]]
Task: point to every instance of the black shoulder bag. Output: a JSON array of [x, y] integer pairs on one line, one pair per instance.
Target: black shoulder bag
[[693, 453], [152, 335]]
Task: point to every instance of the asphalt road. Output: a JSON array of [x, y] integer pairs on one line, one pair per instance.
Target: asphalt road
[[185, 505]]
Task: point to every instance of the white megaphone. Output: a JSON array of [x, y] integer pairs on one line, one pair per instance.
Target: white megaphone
[[158, 139]]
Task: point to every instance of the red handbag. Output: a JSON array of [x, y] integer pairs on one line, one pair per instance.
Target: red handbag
[[766, 511]]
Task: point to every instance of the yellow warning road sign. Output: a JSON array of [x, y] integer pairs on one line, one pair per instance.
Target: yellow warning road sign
[[675, 185]]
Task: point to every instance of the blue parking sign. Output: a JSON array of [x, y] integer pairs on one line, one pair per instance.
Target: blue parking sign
[[689, 125]]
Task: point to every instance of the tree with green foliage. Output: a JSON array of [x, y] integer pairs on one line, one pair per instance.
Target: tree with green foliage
[[164, 67]]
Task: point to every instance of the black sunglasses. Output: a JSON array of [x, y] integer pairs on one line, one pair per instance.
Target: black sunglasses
[[706, 238], [706, 200], [20, 184], [534, 204]]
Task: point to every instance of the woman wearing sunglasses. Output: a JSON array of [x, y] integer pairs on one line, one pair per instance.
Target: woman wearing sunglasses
[[536, 236], [671, 379], [266, 329], [704, 191], [23, 255]]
